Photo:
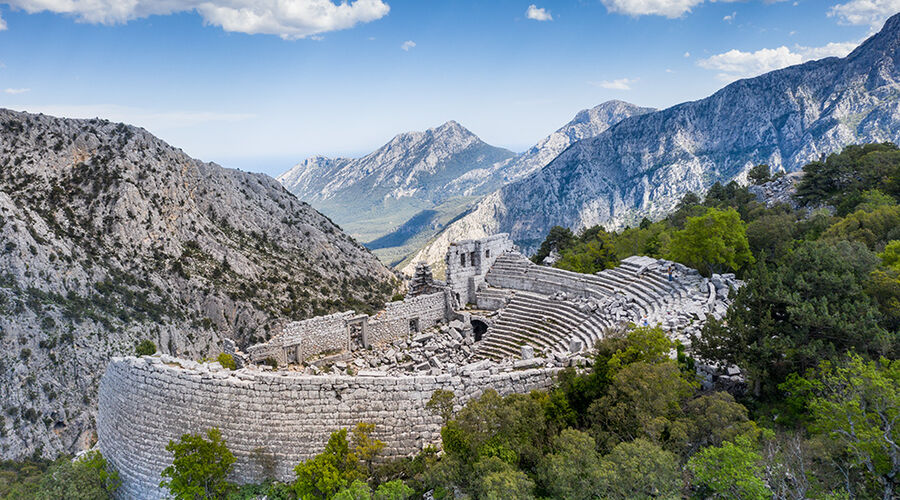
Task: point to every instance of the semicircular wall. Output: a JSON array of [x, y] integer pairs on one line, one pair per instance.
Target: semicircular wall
[[271, 421]]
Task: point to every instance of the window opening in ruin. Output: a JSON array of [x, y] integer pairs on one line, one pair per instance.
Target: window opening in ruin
[[414, 325], [480, 328], [356, 341], [487, 254], [472, 259], [462, 259]]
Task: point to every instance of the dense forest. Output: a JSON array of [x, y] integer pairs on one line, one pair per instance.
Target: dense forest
[[815, 331]]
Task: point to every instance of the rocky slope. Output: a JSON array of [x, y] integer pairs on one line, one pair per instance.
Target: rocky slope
[[643, 165], [414, 171], [109, 236], [587, 123]]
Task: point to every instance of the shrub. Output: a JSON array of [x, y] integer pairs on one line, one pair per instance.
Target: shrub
[[199, 467], [87, 477], [145, 348], [227, 361]]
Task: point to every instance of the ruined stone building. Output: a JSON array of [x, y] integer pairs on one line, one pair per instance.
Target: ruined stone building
[[499, 321]]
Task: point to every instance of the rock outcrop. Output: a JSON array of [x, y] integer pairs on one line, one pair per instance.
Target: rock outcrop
[[587, 123], [110, 236], [643, 165]]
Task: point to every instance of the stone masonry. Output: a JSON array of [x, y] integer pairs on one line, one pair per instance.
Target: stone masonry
[[348, 331], [469, 260], [279, 417], [499, 322]]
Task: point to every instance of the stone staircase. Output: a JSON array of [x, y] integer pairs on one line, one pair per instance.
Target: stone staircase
[[551, 307], [535, 320]]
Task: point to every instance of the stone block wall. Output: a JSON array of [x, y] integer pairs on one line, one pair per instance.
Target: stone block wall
[[286, 416], [467, 261], [394, 321], [302, 339]]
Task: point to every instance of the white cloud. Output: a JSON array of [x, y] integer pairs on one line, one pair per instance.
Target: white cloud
[[833, 49], [15, 91], [736, 64], [667, 8], [538, 13], [620, 84], [687, 54], [730, 17], [2, 24], [871, 12], [407, 45], [289, 19]]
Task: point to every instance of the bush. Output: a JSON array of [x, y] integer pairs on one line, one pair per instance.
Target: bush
[[270, 362], [88, 477], [145, 348], [199, 467], [759, 174], [227, 361]]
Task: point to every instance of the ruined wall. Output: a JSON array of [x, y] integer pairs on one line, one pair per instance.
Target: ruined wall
[[519, 273], [285, 416], [394, 322], [301, 339], [467, 262]]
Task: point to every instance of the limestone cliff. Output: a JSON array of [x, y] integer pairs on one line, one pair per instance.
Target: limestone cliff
[[586, 123], [643, 165], [109, 236]]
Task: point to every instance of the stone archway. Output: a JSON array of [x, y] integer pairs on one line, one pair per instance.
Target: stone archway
[[479, 328]]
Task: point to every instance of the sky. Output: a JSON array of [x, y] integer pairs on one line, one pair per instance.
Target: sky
[[262, 84]]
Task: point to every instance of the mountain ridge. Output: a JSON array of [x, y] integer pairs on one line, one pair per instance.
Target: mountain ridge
[[644, 164], [111, 236]]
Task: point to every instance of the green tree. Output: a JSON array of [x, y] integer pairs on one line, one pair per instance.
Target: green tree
[[329, 472], [712, 243], [393, 490], [789, 316], [199, 467], [890, 257], [512, 429], [644, 400], [716, 418], [856, 403], [759, 174], [733, 470], [874, 228], [558, 238], [358, 490], [498, 480], [88, 477], [842, 178], [441, 404], [640, 469], [573, 470], [588, 257], [771, 234], [145, 348], [365, 447]]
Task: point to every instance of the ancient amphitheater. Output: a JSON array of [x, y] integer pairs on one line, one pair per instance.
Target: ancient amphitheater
[[499, 321]]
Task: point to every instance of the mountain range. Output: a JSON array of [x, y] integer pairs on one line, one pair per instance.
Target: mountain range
[[109, 236], [399, 196], [643, 165]]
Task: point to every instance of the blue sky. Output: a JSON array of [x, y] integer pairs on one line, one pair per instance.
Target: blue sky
[[262, 84]]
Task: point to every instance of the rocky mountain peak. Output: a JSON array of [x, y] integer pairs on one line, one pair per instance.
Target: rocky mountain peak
[[645, 163]]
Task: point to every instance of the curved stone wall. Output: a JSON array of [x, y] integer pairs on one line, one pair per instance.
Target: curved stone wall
[[270, 420]]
